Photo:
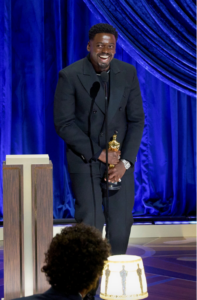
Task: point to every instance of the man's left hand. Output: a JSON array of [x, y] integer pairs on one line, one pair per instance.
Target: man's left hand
[[116, 173]]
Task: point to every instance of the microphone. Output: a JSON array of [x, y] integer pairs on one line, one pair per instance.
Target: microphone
[[94, 90], [104, 77]]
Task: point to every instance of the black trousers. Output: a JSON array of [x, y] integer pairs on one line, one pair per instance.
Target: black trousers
[[90, 205]]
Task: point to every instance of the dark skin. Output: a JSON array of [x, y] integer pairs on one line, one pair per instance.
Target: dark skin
[[102, 50], [91, 287]]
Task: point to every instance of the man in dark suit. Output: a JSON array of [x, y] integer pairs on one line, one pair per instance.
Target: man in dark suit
[[73, 263], [79, 115]]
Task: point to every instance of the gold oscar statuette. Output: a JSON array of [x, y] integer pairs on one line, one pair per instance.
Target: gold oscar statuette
[[113, 146]]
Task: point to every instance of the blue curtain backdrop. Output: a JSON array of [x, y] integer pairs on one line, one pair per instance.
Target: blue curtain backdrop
[[38, 38], [159, 35]]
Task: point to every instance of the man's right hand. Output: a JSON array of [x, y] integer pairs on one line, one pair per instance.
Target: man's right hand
[[113, 157]]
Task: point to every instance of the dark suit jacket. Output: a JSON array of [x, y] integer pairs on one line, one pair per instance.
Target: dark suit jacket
[[51, 294], [79, 112]]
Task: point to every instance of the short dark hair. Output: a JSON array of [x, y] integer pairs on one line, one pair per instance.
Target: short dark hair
[[102, 28], [75, 258]]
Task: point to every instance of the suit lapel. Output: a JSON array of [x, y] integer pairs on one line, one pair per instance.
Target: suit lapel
[[88, 78], [116, 89]]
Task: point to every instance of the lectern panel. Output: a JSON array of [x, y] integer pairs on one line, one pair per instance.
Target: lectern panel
[[42, 220], [13, 231]]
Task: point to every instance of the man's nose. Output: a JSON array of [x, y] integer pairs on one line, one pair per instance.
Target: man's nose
[[105, 48]]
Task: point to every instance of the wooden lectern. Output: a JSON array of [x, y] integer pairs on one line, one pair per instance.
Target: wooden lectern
[[27, 223]]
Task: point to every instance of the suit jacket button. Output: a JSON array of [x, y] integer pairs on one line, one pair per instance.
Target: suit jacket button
[[120, 108], [94, 111], [101, 134]]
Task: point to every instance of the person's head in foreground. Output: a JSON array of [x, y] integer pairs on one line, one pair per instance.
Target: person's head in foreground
[[75, 259]]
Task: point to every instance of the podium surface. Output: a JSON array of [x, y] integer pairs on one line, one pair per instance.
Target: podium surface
[[28, 222]]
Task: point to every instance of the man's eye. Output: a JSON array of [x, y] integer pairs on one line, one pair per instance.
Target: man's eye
[[99, 46]]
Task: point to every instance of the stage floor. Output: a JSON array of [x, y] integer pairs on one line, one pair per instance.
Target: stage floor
[[170, 266]]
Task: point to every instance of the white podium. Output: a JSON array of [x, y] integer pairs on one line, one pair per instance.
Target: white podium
[[28, 222]]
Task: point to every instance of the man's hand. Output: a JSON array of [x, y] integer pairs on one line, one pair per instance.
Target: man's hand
[[113, 157], [116, 173]]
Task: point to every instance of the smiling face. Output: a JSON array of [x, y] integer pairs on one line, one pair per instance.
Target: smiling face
[[102, 50]]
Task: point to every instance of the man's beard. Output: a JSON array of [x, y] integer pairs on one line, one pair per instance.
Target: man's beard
[[103, 66]]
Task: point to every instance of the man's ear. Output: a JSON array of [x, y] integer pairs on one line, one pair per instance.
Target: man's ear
[[88, 46]]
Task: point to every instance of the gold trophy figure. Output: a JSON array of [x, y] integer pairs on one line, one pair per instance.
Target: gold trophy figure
[[113, 146]]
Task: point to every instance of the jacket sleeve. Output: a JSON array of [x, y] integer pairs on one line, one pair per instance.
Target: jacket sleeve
[[135, 122], [65, 122]]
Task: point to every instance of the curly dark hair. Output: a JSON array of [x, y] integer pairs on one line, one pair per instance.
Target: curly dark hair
[[102, 28], [75, 258]]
